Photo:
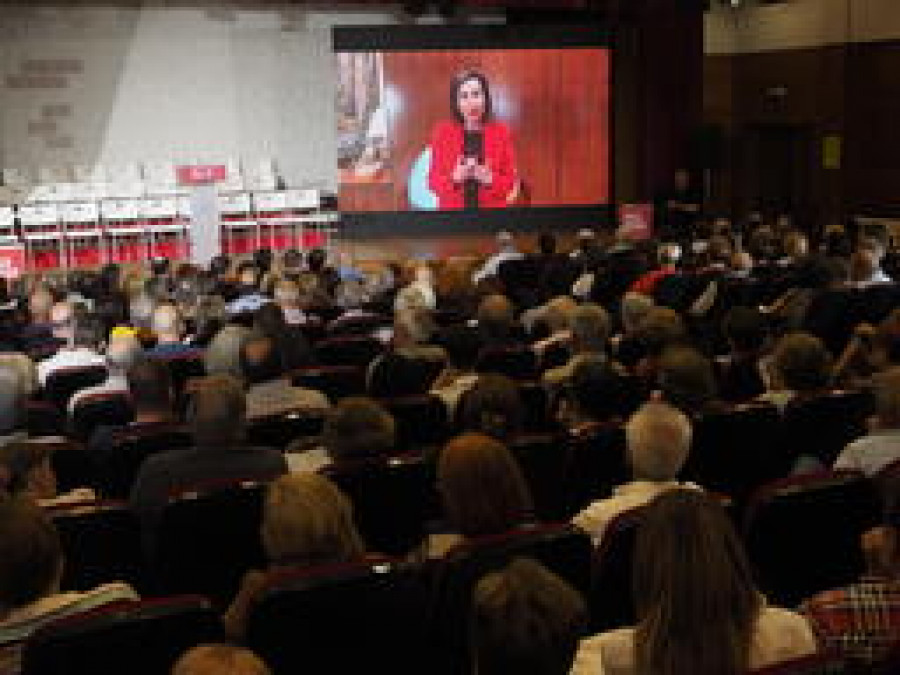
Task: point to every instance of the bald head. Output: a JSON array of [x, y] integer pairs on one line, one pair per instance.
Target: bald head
[[495, 316], [659, 439], [62, 320]]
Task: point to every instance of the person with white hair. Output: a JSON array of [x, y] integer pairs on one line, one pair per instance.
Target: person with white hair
[[123, 351], [419, 293], [589, 328], [658, 439], [167, 325], [506, 250], [80, 335]]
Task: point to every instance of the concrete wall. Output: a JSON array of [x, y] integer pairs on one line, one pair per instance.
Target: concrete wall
[[113, 85]]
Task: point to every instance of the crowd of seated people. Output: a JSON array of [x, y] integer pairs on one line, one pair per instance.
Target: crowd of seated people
[[540, 350]]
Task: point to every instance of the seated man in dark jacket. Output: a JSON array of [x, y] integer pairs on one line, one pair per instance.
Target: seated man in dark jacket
[[217, 416]]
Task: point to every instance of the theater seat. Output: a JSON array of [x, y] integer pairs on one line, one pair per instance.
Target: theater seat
[[350, 350], [563, 549], [129, 447], [107, 409], [596, 465], [820, 426], [421, 421], [208, 536], [802, 533], [610, 601], [357, 323], [304, 618], [278, 431], [336, 382], [101, 542], [393, 500], [543, 459], [518, 363], [138, 638], [816, 664], [734, 451], [64, 382]]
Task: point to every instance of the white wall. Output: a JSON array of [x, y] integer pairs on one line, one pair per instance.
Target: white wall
[[800, 23], [170, 84]]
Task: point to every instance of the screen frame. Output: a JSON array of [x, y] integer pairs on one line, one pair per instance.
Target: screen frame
[[421, 38]]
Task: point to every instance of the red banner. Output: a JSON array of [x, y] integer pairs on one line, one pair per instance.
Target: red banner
[[199, 174], [635, 221]]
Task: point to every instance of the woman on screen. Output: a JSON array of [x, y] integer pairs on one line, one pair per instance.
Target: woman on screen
[[472, 159]]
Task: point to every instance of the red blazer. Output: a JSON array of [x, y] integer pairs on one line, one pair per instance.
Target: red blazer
[[447, 147]]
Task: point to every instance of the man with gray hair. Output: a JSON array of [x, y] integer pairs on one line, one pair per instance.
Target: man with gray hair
[[658, 439], [82, 334], [589, 328], [168, 327], [123, 352]]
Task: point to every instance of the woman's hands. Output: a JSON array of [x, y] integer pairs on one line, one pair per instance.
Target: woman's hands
[[468, 168]]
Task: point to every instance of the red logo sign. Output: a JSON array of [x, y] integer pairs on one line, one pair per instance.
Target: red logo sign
[[198, 174], [635, 221]]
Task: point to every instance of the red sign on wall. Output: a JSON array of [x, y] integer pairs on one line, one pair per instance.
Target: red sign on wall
[[635, 221], [198, 174]]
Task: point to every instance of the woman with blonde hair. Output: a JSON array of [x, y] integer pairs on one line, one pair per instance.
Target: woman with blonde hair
[[307, 521]]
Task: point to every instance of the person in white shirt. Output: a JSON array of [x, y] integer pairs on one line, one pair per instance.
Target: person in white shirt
[[123, 350], [658, 438], [881, 446], [507, 251], [696, 606], [82, 335]]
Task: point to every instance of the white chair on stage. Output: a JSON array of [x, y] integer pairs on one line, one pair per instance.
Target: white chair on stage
[[126, 237], [240, 230], [276, 226], [166, 231], [82, 233], [43, 236], [8, 234]]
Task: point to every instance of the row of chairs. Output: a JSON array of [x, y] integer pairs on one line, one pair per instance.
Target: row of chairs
[[800, 537]]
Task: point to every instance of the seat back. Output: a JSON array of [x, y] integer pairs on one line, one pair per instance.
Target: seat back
[[610, 601], [393, 499], [362, 323], [518, 363], [113, 409], [597, 463], [802, 533], [278, 431], [336, 382], [64, 382], [544, 460], [814, 664], [422, 421], [139, 638], [351, 350], [303, 618], [208, 536], [735, 451], [537, 407], [129, 447], [101, 541], [563, 549], [820, 426]]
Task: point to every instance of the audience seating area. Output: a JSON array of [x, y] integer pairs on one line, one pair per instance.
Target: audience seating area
[[392, 612]]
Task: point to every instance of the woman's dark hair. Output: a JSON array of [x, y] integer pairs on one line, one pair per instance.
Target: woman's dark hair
[[693, 589], [457, 84], [493, 407], [482, 488]]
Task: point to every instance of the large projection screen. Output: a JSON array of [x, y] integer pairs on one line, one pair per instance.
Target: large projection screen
[[448, 127]]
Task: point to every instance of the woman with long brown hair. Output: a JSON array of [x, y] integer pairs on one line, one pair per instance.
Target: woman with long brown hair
[[698, 610]]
